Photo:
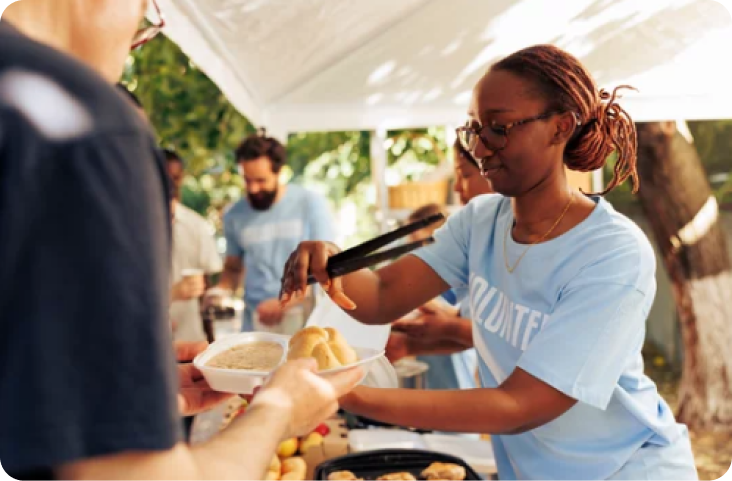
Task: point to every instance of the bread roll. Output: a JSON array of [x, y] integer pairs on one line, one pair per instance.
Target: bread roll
[[294, 465], [327, 346], [303, 348], [334, 335], [293, 476], [343, 352], [309, 332], [342, 476], [402, 476], [303, 342], [271, 476], [446, 471], [325, 357]]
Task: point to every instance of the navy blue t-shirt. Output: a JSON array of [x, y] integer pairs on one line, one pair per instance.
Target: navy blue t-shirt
[[86, 361]]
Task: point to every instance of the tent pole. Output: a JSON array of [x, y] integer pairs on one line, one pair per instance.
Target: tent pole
[[450, 137], [378, 175], [598, 181]]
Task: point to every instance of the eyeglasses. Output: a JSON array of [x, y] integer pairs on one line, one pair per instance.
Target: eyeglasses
[[149, 32], [494, 136]]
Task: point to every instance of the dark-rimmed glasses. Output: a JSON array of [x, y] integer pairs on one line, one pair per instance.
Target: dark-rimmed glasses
[[493, 136], [149, 32]]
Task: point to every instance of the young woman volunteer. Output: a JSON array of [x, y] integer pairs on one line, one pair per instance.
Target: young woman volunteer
[[560, 285]]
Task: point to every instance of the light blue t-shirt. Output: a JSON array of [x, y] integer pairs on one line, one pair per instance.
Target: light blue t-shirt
[[456, 370], [572, 315], [265, 239], [465, 362]]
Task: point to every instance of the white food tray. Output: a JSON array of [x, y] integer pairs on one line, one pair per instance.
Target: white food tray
[[239, 381]]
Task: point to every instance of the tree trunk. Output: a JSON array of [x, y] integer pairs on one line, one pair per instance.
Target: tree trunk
[[674, 192]]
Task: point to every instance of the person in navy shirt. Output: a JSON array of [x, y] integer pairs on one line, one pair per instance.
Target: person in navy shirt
[[559, 286], [90, 385]]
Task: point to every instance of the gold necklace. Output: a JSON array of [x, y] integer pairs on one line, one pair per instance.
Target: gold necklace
[[541, 239]]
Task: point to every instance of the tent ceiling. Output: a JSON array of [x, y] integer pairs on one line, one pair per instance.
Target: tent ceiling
[[308, 65]]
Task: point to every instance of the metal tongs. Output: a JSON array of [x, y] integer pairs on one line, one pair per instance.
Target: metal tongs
[[357, 258]]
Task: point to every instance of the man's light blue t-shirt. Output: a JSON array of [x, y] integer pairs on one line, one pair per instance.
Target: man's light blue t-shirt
[[572, 315], [264, 239]]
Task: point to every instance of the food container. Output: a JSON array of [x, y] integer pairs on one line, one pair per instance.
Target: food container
[[226, 318], [369, 343], [240, 381], [354, 421], [372, 464], [478, 453], [360, 440], [237, 381], [366, 359], [381, 374], [411, 373]]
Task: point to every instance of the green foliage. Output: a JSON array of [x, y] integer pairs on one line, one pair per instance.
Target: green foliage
[[621, 196], [189, 112], [191, 115], [339, 160], [412, 153], [713, 141], [426, 145]]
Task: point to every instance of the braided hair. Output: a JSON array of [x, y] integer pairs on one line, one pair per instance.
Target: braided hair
[[604, 126]]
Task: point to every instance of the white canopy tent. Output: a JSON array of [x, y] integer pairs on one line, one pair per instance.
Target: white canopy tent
[[315, 65], [322, 65]]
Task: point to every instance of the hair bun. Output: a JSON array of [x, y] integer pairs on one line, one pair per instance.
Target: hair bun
[[609, 129], [608, 108]]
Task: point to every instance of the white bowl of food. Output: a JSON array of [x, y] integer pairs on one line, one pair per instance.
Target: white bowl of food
[[241, 362]]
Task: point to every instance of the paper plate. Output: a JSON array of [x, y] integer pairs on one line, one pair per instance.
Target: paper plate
[[240, 381], [382, 375]]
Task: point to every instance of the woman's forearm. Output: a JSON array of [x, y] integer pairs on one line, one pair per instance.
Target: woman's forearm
[[363, 288], [385, 295], [489, 411]]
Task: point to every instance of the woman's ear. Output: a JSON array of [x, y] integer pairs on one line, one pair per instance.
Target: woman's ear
[[566, 125]]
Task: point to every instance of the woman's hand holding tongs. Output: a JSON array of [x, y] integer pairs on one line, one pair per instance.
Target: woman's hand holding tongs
[[308, 261], [324, 263]]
